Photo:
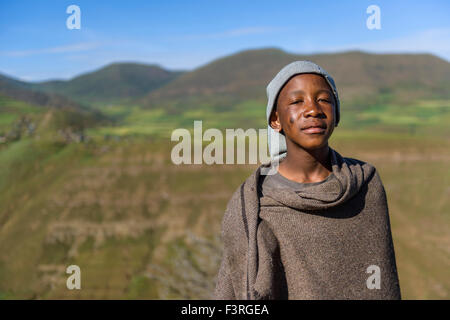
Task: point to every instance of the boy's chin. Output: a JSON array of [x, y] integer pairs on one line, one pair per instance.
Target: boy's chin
[[313, 143]]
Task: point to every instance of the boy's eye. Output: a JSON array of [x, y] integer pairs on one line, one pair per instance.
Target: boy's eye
[[297, 101], [325, 100]]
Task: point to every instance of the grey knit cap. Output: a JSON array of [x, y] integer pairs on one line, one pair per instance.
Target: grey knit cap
[[273, 89]]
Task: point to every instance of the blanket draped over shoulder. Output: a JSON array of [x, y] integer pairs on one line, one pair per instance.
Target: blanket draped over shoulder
[[328, 241]]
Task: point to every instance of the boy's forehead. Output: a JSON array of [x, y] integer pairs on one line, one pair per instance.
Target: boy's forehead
[[305, 81]]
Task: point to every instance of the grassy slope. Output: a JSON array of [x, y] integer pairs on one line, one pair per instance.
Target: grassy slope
[[419, 117], [123, 213], [11, 110]]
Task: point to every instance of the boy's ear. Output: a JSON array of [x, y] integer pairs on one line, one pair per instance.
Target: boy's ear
[[275, 121]]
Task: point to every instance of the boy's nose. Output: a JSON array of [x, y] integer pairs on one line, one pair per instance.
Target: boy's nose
[[312, 109]]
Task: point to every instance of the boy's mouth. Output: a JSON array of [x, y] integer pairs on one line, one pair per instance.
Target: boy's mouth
[[314, 128]]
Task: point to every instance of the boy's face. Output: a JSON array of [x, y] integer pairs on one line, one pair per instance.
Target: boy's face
[[305, 111]]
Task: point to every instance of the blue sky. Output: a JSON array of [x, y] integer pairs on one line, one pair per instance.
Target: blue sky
[[36, 44]]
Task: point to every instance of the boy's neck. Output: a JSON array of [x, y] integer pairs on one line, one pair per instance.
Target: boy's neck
[[306, 166]]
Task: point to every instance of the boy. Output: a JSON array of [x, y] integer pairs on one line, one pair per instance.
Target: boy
[[319, 227]]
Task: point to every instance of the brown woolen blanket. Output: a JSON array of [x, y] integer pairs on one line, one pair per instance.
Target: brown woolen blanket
[[313, 244]]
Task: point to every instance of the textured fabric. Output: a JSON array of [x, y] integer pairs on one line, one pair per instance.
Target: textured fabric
[[277, 141], [277, 181], [316, 243]]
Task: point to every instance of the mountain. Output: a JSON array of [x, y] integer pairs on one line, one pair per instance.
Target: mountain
[[362, 78], [117, 81], [22, 108], [359, 76], [23, 91]]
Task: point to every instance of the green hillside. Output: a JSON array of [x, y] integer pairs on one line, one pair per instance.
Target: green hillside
[[98, 188], [362, 79], [23, 91], [113, 83], [12, 110]]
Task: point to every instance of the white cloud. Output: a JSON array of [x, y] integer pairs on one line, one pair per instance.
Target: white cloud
[[26, 78], [232, 33], [84, 46]]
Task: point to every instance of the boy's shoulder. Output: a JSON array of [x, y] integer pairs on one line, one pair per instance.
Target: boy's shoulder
[[363, 163], [247, 186], [360, 162], [370, 171]]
